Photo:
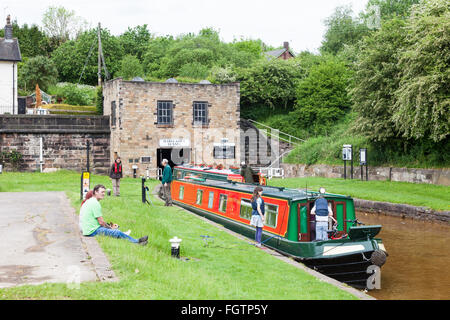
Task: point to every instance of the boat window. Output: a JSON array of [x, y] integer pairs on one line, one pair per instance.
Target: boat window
[[246, 209], [179, 174], [223, 203], [271, 215], [199, 196], [211, 199], [181, 194]]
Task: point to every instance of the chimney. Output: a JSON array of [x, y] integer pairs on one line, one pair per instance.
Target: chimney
[[286, 45], [8, 29]]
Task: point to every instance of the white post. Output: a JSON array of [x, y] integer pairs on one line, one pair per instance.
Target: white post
[[41, 160]]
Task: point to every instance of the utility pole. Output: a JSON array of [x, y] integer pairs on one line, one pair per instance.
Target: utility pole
[[99, 72]]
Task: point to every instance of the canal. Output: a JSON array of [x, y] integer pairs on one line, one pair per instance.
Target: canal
[[418, 266]]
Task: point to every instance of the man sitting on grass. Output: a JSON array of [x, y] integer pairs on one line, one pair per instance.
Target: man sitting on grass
[[92, 220]]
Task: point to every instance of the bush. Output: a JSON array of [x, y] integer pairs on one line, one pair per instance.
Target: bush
[[73, 94]]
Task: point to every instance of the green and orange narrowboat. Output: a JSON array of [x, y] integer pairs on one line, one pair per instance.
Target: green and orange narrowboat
[[348, 256]]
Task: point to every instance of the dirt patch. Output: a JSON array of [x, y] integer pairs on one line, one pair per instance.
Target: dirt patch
[[18, 274], [40, 235]]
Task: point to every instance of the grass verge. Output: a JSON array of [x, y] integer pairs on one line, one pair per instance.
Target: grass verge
[[227, 268], [432, 196]]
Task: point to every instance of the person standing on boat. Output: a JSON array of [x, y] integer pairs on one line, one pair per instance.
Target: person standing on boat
[[258, 214], [246, 172], [166, 181], [116, 174], [322, 210]]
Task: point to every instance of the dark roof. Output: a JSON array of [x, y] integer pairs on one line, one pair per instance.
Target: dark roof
[[278, 52], [9, 50]]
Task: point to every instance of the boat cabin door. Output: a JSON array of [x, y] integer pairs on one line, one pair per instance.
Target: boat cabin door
[[306, 222]]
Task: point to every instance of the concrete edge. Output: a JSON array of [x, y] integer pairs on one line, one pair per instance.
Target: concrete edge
[[359, 294]]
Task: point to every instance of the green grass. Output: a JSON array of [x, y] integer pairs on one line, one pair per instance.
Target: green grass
[[432, 196], [228, 268]]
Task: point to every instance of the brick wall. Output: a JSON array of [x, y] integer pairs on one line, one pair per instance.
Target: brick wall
[[64, 141], [137, 134]]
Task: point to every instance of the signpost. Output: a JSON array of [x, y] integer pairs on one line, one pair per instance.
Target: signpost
[[85, 184], [363, 162], [347, 155]]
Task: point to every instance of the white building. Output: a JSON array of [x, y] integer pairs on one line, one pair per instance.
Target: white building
[[9, 57]]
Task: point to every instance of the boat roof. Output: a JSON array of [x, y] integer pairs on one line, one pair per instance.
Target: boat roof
[[268, 191], [206, 169]]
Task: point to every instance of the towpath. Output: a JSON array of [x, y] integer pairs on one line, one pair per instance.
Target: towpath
[[40, 242]]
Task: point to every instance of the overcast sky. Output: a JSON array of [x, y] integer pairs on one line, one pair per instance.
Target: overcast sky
[[301, 22]]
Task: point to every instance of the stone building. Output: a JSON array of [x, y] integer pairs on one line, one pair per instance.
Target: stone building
[[182, 122]]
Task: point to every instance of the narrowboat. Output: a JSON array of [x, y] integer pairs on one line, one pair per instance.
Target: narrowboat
[[349, 255]]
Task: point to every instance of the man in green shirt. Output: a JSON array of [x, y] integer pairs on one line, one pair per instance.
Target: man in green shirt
[[92, 222], [166, 181]]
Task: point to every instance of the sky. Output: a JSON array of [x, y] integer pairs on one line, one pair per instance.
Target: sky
[[300, 22]]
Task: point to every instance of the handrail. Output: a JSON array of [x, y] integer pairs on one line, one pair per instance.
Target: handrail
[[284, 133]]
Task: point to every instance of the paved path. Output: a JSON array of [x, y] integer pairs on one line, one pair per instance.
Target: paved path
[[40, 241]]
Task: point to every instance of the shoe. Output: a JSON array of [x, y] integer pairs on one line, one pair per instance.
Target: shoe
[[143, 241]]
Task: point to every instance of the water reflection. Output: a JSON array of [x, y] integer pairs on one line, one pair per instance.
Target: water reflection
[[418, 266]]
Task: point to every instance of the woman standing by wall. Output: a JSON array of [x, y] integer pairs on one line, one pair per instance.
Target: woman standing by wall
[[116, 174], [258, 214]]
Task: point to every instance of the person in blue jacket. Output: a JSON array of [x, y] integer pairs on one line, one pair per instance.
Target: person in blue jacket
[[322, 210], [166, 182], [258, 211]]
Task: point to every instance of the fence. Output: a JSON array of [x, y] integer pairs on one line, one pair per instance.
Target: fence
[[8, 109]]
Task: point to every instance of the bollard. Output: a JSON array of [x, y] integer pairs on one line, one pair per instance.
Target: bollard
[[144, 200], [175, 247]]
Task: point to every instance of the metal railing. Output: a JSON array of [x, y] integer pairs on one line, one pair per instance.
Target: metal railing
[[290, 138]]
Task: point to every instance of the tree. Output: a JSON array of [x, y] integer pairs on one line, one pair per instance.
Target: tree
[[62, 24], [38, 70], [422, 107], [71, 57], [388, 9], [322, 97], [271, 83], [342, 29], [375, 80], [135, 41], [130, 67]]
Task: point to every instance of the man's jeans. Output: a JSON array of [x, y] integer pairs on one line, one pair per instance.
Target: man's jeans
[[115, 233], [321, 230]]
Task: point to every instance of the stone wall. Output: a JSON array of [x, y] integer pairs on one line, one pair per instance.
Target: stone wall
[[135, 133], [64, 141], [432, 176]]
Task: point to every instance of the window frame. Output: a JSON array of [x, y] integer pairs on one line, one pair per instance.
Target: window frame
[[267, 212], [168, 105], [199, 191], [195, 116], [249, 208], [223, 196], [181, 193]]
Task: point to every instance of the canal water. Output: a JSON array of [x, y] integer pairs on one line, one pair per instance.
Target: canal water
[[418, 265]]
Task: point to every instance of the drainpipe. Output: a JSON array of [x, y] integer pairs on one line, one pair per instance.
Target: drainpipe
[[41, 158], [14, 89]]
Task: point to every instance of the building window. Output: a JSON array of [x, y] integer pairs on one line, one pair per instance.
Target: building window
[[181, 194], [165, 112], [224, 152], [200, 113], [211, 200], [246, 209], [199, 196], [223, 203], [271, 215]]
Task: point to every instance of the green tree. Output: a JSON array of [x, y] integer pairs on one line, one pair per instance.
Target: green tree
[[422, 107], [270, 83], [322, 97], [376, 78], [135, 41], [388, 9], [37, 70], [130, 67], [71, 56], [342, 29]]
